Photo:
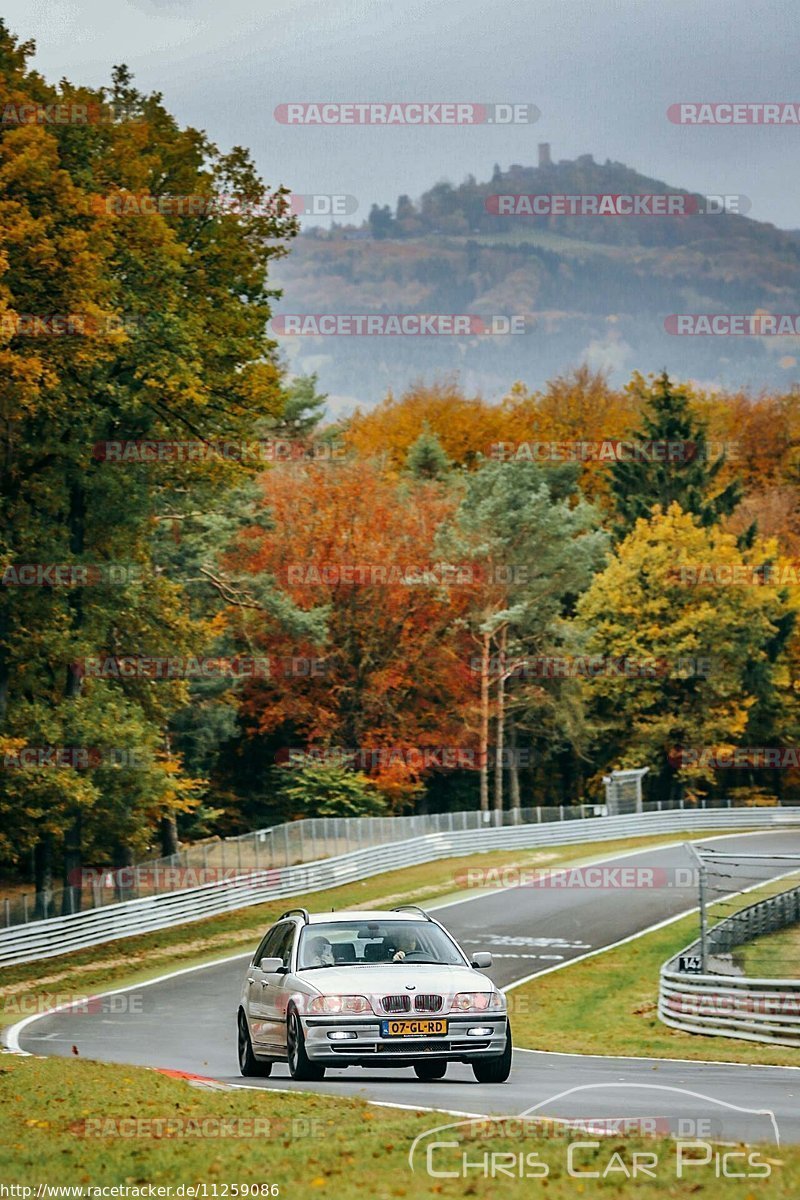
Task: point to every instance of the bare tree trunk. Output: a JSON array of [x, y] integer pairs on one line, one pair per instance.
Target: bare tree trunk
[[501, 721], [73, 861], [513, 776], [43, 875], [169, 836], [72, 894], [5, 673], [123, 857], [169, 826], [483, 754]]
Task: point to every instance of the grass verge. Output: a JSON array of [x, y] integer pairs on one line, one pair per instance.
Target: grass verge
[[25, 988], [774, 956], [96, 1125]]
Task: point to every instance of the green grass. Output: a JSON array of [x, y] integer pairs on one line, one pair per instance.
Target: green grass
[[774, 956], [608, 1004], [305, 1144], [134, 960]]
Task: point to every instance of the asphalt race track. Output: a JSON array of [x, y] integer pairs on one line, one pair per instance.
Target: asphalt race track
[[187, 1022]]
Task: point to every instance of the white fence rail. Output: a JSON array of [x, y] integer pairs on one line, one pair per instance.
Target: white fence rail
[[59, 935], [758, 1010]]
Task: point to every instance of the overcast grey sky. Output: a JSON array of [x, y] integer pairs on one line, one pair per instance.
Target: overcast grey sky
[[602, 72]]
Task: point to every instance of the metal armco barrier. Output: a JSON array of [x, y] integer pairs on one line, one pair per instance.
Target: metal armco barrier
[[758, 1010], [60, 935]]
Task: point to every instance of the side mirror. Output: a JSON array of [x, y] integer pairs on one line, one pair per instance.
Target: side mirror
[[482, 959], [272, 966]]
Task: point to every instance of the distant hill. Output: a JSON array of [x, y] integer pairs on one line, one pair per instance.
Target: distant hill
[[592, 288]]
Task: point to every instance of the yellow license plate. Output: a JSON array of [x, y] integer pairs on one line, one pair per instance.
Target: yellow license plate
[[408, 1028]]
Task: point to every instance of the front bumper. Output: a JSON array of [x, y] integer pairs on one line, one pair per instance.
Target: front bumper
[[367, 1047]]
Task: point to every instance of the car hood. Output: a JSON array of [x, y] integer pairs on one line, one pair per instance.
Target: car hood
[[384, 979]]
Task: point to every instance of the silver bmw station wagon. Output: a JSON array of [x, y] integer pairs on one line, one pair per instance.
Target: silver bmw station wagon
[[363, 989]]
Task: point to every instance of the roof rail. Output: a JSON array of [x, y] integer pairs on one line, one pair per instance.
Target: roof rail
[[413, 908], [290, 912]]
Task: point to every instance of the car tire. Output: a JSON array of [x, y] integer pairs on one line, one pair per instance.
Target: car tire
[[301, 1067], [248, 1063], [430, 1070], [497, 1068]]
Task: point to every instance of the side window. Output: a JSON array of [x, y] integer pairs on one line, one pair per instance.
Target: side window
[[283, 947], [268, 943]]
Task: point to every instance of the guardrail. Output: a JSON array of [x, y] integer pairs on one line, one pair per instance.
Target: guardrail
[[758, 1010], [306, 840], [59, 935]]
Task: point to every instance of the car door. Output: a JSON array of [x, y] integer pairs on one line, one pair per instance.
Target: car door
[[258, 983], [277, 988]]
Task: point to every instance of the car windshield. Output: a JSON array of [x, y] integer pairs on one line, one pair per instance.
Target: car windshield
[[343, 943]]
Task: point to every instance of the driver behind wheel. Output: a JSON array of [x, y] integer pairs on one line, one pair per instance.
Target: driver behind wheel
[[406, 944]]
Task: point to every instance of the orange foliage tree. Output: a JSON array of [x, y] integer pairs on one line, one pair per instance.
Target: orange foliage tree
[[394, 679]]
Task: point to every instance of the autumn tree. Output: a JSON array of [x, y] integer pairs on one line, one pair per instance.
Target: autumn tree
[[343, 541], [685, 476], [534, 544], [693, 657], [159, 336]]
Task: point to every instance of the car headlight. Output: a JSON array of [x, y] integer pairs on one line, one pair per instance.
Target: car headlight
[[477, 1001], [340, 1005]]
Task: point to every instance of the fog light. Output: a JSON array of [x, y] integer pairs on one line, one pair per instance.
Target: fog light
[[341, 1035], [479, 1031]]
